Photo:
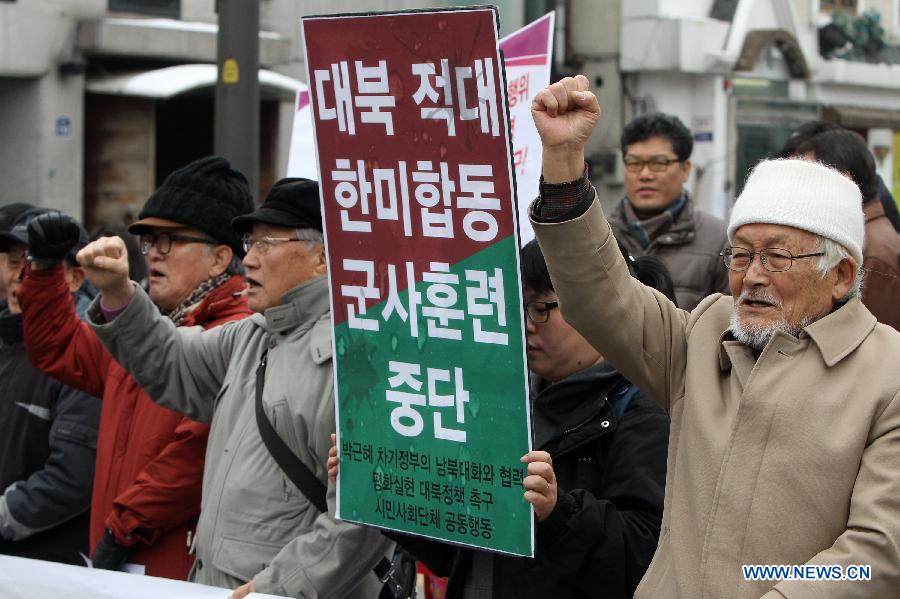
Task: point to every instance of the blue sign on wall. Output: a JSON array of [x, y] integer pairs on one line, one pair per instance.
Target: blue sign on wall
[[63, 126]]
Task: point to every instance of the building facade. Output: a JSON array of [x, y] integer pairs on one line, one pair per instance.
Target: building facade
[[101, 99], [742, 74]]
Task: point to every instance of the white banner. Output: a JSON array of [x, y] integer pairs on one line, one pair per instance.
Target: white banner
[[302, 155], [527, 53], [34, 579]]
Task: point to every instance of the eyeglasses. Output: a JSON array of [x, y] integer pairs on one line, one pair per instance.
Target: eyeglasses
[[264, 243], [539, 312], [739, 259], [163, 241], [657, 164]]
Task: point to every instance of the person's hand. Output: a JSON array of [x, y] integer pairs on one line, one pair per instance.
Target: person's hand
[[105, 263], [50, 237], [565, 113], [540, 484], [242, 591], [334, 461], [109, 554]]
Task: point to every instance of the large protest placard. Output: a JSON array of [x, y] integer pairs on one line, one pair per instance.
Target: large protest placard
[[410, 120]]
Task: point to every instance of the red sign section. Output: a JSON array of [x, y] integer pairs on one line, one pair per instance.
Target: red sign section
[[409, 113]]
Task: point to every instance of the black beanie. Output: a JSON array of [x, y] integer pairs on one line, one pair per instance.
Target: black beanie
[[205, 195]]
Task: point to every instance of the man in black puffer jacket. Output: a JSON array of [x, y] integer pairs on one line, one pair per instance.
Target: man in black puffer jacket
[[48, 435]]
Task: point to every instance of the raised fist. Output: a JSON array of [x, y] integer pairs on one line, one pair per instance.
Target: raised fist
[[565, 113], [105, 262], [51, 235]]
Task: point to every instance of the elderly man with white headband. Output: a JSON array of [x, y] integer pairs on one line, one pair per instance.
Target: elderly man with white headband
[[784, 399]]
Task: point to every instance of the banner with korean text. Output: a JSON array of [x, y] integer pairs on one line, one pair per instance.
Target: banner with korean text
[[527, 54], [410, 120]]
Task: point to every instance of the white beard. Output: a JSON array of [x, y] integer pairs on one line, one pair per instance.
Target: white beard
[[757, 336]]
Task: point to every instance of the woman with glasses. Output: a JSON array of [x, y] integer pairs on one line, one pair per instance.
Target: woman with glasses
[[597, 473], [600, 447]]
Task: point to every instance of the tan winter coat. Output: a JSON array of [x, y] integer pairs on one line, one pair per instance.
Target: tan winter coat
[[790, 458], [254, 523]]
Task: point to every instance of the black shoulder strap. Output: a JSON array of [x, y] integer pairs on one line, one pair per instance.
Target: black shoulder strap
[[296, 470]]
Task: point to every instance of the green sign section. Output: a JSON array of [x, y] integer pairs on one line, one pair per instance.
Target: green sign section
[[432, 429]]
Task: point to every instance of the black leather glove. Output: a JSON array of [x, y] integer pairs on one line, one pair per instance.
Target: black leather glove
[[51, 235], [109, 554]]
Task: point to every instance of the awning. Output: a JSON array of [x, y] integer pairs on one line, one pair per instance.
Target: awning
[[171, 81], [857, 117]]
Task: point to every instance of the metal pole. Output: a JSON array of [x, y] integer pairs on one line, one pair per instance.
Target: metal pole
[[236, 135]]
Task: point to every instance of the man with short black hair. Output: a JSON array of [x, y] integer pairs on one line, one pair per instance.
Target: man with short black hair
[[811, 129], [846, 151], [257, 530], [149, 459], [657, 216]]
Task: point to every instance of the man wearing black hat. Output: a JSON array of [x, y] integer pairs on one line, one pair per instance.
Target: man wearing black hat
[[9, 213], [257, 531], [146, 497], [48, 431]]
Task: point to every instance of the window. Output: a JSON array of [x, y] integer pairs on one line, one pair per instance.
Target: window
[[159, 8]]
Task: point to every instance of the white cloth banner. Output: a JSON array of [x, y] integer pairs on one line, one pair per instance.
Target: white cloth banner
[[302, 154], [527, 53], [34, 579]]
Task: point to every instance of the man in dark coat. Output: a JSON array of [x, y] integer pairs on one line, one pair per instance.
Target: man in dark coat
[[48, 434]]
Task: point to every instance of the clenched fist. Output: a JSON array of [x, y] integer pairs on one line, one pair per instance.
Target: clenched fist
[[565, 113], [105, 263]]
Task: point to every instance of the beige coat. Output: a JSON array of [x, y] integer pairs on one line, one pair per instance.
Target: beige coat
[[791, 458]]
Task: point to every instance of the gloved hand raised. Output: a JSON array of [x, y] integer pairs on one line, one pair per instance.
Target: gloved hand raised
[[50, 237]]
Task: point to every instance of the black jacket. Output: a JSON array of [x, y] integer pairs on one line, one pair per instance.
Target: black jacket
[[611, 476], [48, 436]]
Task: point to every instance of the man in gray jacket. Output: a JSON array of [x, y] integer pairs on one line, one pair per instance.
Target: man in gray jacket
[[657, 216], [257, 531]]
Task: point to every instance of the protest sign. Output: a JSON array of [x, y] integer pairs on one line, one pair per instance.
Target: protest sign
[[411, 126], [527, 54]]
